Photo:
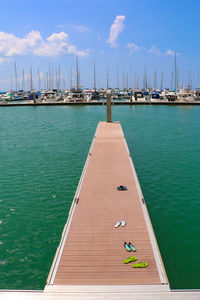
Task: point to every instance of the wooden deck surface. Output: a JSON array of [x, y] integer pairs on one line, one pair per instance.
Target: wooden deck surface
[[93, 252]]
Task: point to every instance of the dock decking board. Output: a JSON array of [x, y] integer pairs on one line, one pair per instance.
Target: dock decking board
[[93, 251]]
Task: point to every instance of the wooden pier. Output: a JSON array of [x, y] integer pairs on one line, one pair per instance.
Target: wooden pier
[[91, 251]]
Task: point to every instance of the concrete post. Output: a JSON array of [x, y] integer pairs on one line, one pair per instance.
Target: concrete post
[[108, 104]]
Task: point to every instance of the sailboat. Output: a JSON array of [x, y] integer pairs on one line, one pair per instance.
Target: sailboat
[[76, 93], [95, 93]]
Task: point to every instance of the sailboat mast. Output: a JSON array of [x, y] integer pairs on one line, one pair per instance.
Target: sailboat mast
[[77, 73], [130, 80], [47, 80], [11, 84], [39, 80], [23, 81], [71, 79], [189, 78], [59, 77], [117, 78], [175, 79], [16, 78], [155, 80], [45, 85], [107, 79], [94, 76], [27, 81], [171, 80], [31, 79], [145, 75], [52, 72], [56, 79], [161, 83], [49, 75]]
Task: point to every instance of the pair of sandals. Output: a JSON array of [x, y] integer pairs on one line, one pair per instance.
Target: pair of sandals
[[140, 264], [122, 223]]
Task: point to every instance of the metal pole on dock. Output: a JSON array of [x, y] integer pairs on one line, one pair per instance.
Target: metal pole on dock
[[108, 104]]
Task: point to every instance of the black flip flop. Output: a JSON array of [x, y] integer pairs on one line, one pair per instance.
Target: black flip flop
[[122, 188]]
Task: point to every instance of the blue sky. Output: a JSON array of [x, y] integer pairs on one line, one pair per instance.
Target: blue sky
[[129, 34]]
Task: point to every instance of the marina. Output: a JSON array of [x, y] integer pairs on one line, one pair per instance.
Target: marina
[[99, 150], [146, 184], [55, 92], [95, 96]]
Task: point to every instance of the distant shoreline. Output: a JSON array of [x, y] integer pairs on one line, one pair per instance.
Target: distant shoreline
[[102, 103]]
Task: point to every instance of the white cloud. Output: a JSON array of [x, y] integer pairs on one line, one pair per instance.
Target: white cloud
[[56, 44], [157, 52], [170, 52], [116, 28], [60, 26], [154, 51], [81, 28], [134, 48]]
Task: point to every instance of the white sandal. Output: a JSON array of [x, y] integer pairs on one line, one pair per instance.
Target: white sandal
[[117, 224], [123, 223]]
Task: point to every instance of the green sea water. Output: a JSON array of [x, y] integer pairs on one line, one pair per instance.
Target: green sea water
[[42, 153]]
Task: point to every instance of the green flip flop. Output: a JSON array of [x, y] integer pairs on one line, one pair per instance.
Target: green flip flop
[[129, 259], [141, 264]]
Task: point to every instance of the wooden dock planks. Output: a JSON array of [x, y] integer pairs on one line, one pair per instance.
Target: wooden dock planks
[[93, 251]]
